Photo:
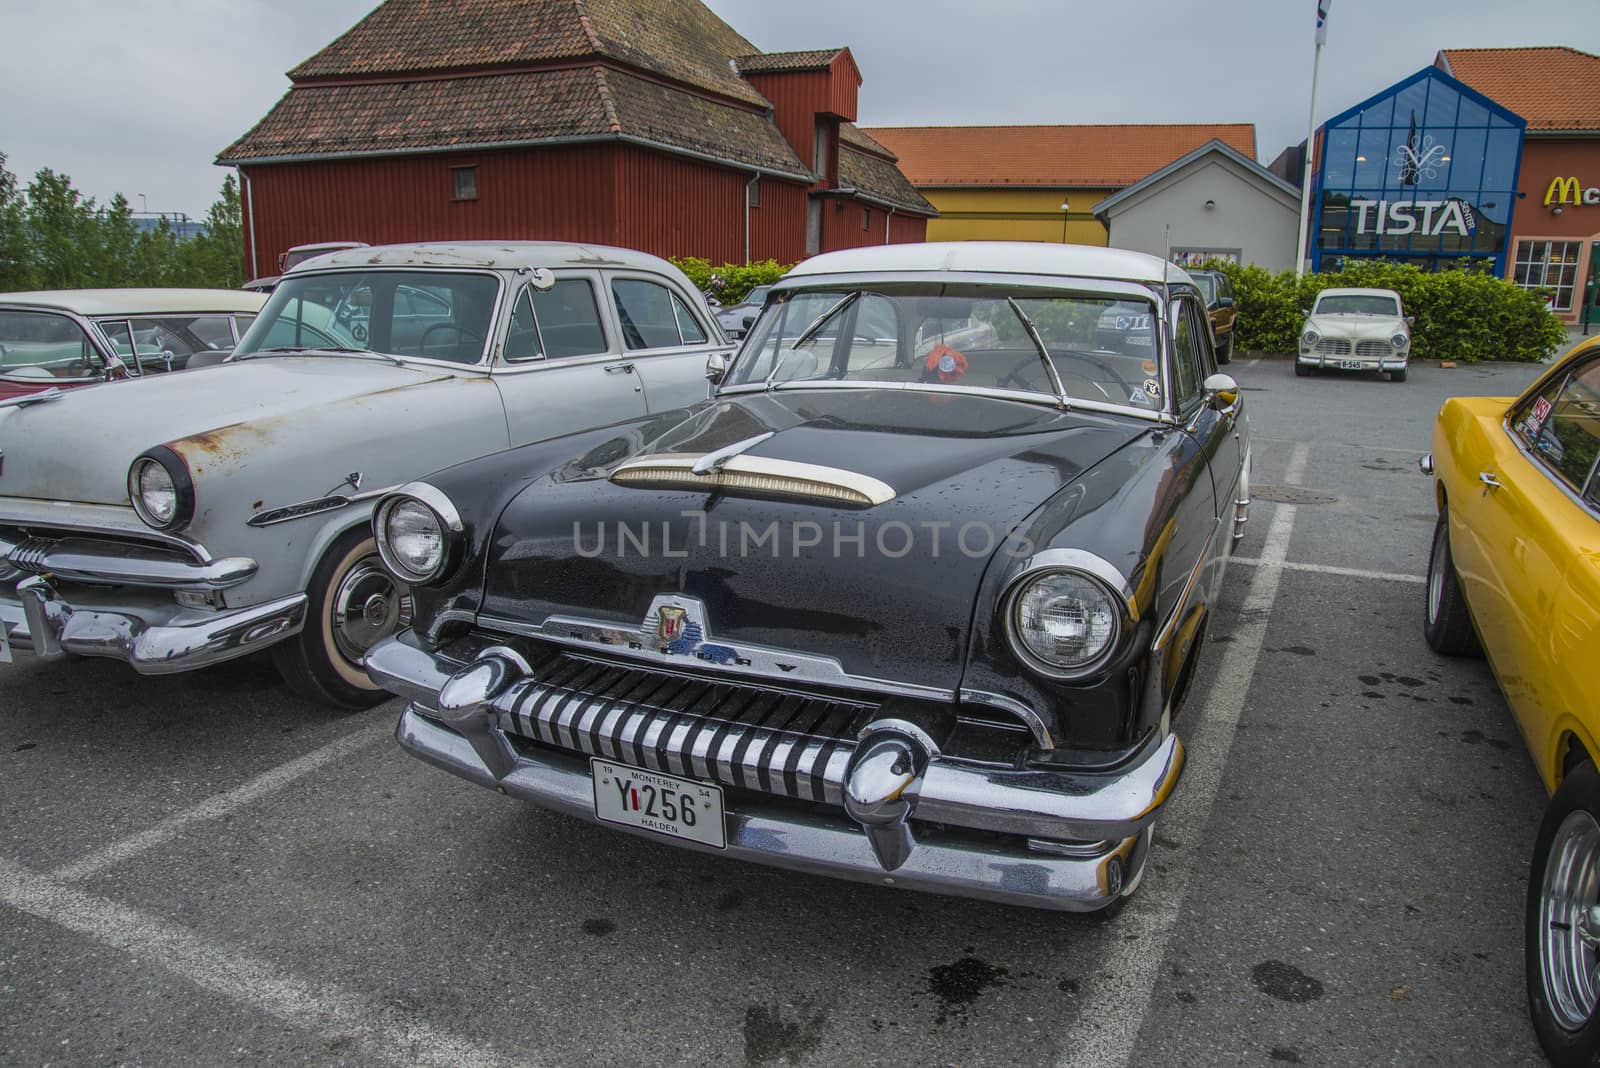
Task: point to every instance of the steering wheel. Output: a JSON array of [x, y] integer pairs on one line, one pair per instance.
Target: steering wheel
[[461, 335]]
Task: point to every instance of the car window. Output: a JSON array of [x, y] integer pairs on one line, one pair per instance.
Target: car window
[[1208, 286], [439, 315], [120, 334], [569, 320], [689, 328], [757, 296], [1187, 355], [41, 345], [1357, 304], [158, 342], [522, 336], [1568, 436], [646, 312]]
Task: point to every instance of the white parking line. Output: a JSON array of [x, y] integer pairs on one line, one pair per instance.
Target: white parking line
[[1330, 569], [1113, 1010], [381, 1030], [221, 804]]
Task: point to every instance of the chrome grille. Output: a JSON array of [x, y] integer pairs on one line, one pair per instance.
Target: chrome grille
[[777, 742], [30, 555], [1333, 346], [1372, 349]]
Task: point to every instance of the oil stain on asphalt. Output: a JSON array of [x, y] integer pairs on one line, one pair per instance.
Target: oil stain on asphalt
[[1285, 982], [960, 984], [771, 1033]]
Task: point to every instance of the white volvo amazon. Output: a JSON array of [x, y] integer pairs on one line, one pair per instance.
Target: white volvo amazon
[[186, 519]]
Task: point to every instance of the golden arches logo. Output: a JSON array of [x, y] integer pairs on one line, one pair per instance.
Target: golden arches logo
[[1563, 191]]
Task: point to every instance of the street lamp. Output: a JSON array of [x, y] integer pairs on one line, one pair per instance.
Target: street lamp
[[144, 205], [1065, 207]]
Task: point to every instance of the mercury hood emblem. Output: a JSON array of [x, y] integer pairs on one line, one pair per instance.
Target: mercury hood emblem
[[670, 619]]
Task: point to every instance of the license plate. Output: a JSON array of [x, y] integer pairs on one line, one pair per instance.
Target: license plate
[[666, 804], [1351, 365]]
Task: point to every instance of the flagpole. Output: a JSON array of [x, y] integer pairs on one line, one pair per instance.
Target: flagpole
[[1305, 183]]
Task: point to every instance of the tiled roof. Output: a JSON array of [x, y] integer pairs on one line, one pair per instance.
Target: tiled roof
[[1555, 88], [880, 180], [679, 39], [1083, 157], [504, 109], [855, 137], [772, 62]]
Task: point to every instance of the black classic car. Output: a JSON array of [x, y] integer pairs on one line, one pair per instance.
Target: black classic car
[[914, 603]]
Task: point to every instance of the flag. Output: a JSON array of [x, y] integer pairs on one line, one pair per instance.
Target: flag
[[1322, 21]]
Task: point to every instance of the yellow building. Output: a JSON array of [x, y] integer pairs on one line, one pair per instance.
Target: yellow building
[[1038, 183]]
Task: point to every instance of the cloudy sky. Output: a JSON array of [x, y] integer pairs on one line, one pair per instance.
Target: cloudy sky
[[139, 97]]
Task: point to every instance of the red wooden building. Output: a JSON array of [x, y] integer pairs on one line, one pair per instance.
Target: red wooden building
[[649, 124]]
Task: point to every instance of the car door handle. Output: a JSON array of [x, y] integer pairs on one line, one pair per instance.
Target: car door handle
[[619, 368], [1488, 479]]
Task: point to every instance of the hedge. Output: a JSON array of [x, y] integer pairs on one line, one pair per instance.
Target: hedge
[[737, 278], [1463, 313]]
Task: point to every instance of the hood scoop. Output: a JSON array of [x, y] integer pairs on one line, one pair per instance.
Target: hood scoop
[[730, 472]]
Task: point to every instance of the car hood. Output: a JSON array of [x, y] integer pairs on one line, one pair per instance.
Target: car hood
[[78, 448], [886, 590], [1361, 327]]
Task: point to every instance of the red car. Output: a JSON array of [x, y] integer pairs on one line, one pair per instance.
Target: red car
[[77, 337]]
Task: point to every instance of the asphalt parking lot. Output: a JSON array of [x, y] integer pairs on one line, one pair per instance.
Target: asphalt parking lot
[[205, 870]]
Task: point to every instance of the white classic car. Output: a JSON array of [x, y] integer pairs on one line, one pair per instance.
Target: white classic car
[[1356, 330], [182, 520]]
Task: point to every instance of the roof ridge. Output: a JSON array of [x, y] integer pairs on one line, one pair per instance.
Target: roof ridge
[[608, 100], [582, 7], [1526, 48]]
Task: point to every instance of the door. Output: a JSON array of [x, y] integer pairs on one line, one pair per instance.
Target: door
[[1215, 432], [558, 370], [1529, 530], [667, 338]]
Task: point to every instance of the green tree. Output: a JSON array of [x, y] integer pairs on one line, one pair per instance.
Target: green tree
[[63, 232], [118, 240], [216, 257], [16, 260]]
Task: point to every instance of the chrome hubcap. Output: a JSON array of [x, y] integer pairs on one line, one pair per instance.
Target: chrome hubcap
[[1436, 575], [1569, 922], [367, 607]]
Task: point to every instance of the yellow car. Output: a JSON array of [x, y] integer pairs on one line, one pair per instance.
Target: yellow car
[[1515, 574]]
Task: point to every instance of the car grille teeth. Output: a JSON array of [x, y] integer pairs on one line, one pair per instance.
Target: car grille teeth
[[1372, 349], [31, 555], [1332, 346], [773, 742]]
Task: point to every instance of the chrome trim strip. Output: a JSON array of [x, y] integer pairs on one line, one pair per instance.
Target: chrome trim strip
[[1034, 722], [758, 661], [115, 521], [1025, 396], [41, 397], [121, 564], [332, 503], [760, 473]]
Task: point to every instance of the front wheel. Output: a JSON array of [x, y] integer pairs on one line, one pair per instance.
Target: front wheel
[[1397, 376], [352, 603], [1562, 923], [1302, 370], [1445, 622]]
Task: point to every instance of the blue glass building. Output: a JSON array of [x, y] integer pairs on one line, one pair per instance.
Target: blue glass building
[[1425, 172]]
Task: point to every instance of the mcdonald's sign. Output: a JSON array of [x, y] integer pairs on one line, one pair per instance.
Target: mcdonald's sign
[[1569, 191]]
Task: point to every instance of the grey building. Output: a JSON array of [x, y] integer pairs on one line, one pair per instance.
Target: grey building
[[1214, 202]]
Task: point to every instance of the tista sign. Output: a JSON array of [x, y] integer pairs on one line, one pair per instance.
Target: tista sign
[[1427, 218]]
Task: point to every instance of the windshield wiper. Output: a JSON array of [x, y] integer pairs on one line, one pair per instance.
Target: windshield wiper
[[1044, 353], [282, 349], [811, 331]]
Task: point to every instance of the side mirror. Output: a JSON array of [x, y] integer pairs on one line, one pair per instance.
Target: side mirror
[[1224, 302], [1222, 392], [1411, 320], [716, 367], [542, 278]]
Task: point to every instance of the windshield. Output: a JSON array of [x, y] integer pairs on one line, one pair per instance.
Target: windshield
[[46, 347], [166, 342], [1358, 304], [1208, 286], [1101, 347], [436, 315], [757, 296]]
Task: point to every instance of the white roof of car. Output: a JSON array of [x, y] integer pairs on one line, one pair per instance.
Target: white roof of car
[[1358, 292], [507, 255], [140, 301], [997, 257]]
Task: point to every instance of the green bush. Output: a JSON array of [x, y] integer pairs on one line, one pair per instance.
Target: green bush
[[738, 278], [1463, 313]]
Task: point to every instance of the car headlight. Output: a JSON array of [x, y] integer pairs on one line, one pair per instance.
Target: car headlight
[[419, 533], [1309, 338], [160, 489], [1064, 623], [1400, 341]]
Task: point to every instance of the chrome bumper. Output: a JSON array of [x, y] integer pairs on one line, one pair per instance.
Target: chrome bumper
[[896, 813], [154, 636], [1368, 363]]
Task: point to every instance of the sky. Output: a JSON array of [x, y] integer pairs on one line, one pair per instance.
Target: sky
[[140, 97]]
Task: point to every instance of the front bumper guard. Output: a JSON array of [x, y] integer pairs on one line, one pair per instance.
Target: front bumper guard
[[1368, 363], [1087, 833], [52, 628]]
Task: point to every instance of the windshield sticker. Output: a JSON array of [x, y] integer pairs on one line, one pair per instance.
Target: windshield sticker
[[1541, 410], [1152, 389], [1138, 398], [1148, 367]]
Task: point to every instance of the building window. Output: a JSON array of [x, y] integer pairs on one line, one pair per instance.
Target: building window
[[866, 218], [1549, 265], [754, 192], [466, 182], [819, 151]]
